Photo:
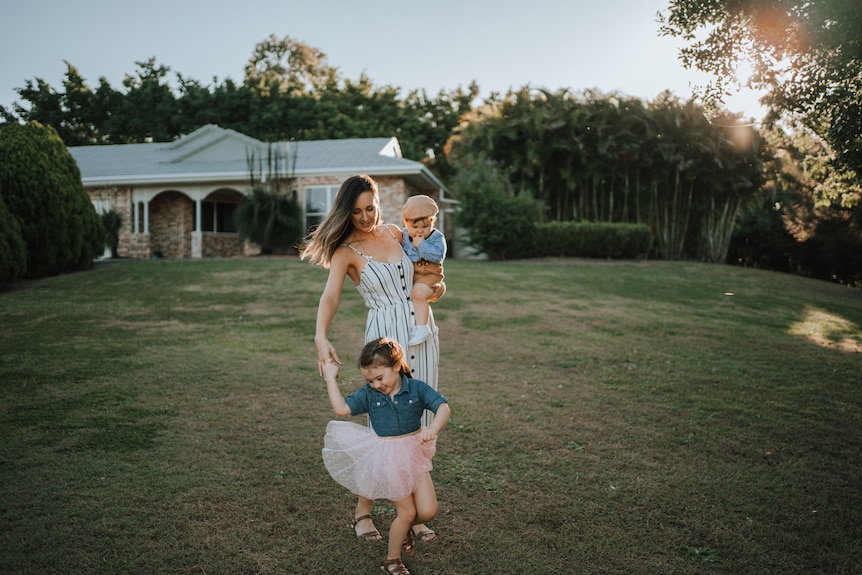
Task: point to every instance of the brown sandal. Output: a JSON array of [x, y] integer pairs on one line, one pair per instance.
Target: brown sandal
[[427, 535], [394, 567], [409, 545], [373, 535]]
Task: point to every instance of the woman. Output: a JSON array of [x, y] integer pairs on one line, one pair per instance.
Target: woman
[[353, 242]]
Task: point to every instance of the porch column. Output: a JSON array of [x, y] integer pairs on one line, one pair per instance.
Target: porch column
[[197, 234], [146, 217]]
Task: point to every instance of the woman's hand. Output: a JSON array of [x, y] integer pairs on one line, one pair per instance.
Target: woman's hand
[[325, 352]]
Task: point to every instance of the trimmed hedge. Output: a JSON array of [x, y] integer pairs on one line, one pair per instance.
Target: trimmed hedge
[[593, 240]]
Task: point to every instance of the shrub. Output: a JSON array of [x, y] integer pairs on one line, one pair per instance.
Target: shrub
[[497, 223], [593, 240], [761, 240], [13, 250], [41, 185], [270, 220], [833, 252]]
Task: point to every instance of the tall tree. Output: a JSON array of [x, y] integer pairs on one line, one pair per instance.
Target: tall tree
[[608, 158], [806, 54], [149, 111], [78, 114], [428, 123], [290, 92], [287, 66], [45, 105]]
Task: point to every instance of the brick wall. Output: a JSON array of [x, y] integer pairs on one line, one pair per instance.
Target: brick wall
[[215, 245], [391, 191]]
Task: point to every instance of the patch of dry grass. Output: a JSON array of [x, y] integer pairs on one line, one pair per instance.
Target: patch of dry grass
[[608, 417]]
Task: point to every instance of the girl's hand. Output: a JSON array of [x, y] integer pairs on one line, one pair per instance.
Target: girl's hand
[[427, 434], [329, 370], [325, 352]]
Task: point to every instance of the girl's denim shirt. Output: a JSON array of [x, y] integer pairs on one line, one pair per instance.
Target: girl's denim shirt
[[399, 415]]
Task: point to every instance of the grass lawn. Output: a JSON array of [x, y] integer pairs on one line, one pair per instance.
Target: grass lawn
[[608, 418]]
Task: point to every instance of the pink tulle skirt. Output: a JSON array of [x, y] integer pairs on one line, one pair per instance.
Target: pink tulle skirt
[[372, 466]]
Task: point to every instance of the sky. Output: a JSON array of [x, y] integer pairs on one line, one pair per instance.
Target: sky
[[605, 45]]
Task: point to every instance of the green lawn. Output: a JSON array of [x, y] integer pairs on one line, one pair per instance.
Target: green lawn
[[608, 417]]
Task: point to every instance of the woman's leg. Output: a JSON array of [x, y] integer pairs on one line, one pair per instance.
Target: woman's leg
[[365, 528]]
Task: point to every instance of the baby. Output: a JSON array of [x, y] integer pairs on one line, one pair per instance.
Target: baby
[[426, 248]]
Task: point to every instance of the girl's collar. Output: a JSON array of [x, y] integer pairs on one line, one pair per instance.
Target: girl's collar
[[402, 388]]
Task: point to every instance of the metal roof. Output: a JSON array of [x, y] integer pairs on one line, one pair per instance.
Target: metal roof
[[212, 153]]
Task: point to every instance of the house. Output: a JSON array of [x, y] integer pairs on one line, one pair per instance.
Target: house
[[176, 199]]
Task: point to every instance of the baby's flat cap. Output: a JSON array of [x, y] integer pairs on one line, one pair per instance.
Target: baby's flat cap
[[420, 206]]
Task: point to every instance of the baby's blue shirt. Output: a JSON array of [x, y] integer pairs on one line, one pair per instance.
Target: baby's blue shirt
[[432, 248]]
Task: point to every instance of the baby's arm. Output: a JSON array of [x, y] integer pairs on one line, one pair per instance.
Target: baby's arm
[[407, 245], [433, 249], [440, 420], [330, 374]]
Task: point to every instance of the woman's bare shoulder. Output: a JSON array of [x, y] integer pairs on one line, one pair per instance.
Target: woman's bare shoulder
[[393, 229], [344, 252]]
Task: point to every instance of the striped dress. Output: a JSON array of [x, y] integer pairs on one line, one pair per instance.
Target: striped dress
[[386, 290]]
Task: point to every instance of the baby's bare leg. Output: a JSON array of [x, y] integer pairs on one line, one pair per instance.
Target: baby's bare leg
[[421, 293]]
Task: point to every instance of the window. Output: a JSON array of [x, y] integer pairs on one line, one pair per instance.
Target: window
[[218, 217], [101, 206], [318, 202]]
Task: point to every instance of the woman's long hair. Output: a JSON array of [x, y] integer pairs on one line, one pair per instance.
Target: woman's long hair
[[337, 225]]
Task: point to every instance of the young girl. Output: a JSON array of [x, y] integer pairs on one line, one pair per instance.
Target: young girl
[[392, 459]]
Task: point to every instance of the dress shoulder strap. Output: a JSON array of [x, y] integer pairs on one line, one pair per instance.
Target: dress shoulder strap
[[357, 250], [363, 254], [389, 229]]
